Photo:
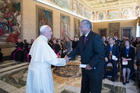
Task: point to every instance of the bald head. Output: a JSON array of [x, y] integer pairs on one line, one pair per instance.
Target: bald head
[[46, 31]]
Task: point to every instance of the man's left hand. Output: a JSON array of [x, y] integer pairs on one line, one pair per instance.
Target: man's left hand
[[88, 67]]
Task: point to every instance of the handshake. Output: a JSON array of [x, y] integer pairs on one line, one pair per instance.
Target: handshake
[[67, 58], [85, 66]]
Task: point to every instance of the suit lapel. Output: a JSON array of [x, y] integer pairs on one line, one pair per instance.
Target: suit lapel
[[88, 40], [82, 43]]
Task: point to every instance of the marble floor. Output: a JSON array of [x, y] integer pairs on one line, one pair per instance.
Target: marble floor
[[61, 84]]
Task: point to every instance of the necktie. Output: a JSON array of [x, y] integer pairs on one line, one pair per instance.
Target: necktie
[[127, 51], [85, 38]]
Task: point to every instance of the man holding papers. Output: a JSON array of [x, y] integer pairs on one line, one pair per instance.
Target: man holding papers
[[91, 49]]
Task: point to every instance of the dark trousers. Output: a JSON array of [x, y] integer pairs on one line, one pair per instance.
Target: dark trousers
[[114, 72], [138, 73], [1, 56], [91, 82], [19, 56]]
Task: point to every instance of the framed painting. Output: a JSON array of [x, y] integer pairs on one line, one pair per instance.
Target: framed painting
[[127, 32], [113, 14], [63, 3], [44, 17], [64, 26], [103, 32], [11, 21], [137, 11], [87, 13], [74, 6], [127, 12], [76, 27], [114, 29], [101, 15]]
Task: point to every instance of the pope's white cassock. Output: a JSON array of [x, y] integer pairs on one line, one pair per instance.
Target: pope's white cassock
[[39, 79]]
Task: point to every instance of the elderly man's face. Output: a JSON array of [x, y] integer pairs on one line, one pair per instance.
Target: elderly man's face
[[48, 33], [83, 28]]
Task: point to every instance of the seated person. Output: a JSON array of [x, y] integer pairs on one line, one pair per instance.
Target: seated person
[[127, 55], [18, 53], [26, 50], [111, 56], [56, 47]]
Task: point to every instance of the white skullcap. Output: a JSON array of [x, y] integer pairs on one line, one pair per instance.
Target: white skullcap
[[44, 28]]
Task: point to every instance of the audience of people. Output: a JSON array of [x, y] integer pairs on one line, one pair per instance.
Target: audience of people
[[60, 47], [124, 53], [124, 56], [21, 53]]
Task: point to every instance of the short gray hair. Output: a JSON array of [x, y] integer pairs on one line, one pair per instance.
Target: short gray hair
[[87, 23], [44, 28]]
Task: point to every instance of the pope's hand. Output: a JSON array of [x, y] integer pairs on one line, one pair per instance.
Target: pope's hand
[[67, 58], [88, 67]]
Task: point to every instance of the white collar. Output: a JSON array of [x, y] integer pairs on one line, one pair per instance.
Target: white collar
[[127, 47], [111, 45], [46, 39], [87, 34]]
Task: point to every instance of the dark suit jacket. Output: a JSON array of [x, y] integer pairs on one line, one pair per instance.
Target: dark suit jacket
[[138, 52], [92, 52], [115, 51], [1, 56], [74, 44], [131, 55]]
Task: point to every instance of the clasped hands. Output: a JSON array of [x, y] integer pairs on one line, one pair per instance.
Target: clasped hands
[[67, 58], [88, 67]]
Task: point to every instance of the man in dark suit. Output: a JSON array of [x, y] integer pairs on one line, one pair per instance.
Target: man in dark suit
[[112, 56], [1, 55], [138, 62], [91, 49]]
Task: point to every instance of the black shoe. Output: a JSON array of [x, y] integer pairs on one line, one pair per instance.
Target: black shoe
[[127, 81], [124, 83], [113, 80]]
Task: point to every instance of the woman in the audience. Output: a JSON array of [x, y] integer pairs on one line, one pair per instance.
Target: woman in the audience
[[56, 47], [104, 41], [127, 56]]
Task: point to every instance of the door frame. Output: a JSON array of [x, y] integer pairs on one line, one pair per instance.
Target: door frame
[[131, 31], [99, 30]]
